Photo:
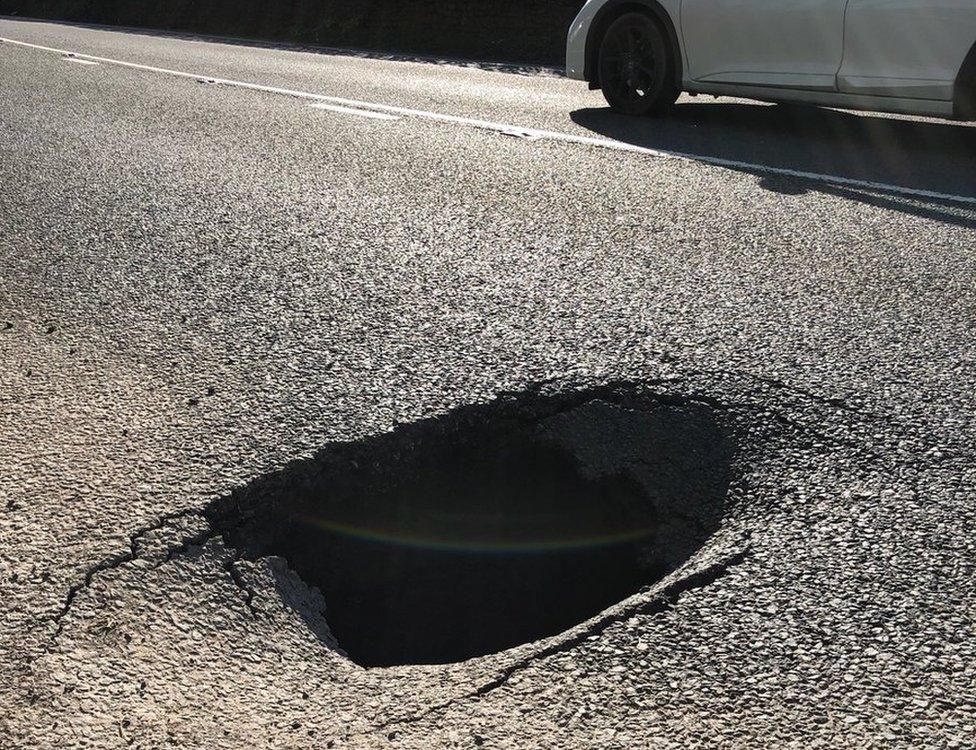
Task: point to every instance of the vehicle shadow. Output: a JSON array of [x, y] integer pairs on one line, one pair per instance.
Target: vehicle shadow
[[922, 155]]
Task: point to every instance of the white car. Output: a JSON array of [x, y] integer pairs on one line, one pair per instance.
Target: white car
[[909, 56]]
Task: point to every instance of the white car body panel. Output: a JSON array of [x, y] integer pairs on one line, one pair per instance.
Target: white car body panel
[[793, 43], [885, 55], [576, 40], [910, 48]]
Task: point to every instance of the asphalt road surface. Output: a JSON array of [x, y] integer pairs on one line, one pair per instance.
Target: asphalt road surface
[[202, 282]]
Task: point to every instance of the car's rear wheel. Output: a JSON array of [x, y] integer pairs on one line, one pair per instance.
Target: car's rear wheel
[[636, 68]]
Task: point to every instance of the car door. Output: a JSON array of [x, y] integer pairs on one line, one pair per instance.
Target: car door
[[906, 48], [780, 43]]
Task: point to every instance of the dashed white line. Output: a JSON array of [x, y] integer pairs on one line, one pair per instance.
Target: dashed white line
[[522, 132]]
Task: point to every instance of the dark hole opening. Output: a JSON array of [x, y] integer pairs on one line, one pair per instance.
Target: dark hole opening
[[493, 526]]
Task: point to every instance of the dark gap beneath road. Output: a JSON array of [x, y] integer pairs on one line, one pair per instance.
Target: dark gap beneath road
[[493, 525]]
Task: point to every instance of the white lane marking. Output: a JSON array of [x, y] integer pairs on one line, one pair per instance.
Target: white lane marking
[[530, 133], [354, 111], [80, 61], [516, 132]]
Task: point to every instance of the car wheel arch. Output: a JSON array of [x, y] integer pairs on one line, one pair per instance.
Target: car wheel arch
[[613, 10], [964, 89]]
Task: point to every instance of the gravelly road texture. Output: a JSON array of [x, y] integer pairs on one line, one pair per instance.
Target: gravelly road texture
[[203, 287]]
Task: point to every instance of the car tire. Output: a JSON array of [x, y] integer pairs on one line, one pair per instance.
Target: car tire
[[636, 67]]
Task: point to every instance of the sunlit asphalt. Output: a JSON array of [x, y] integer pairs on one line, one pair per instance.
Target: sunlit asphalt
[[202, 282]]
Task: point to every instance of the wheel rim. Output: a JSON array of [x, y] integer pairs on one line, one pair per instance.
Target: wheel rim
[[631, 69]]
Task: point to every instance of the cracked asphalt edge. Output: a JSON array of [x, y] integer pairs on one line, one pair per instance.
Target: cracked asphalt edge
[[133, 553], [109, 563], [700, 571], [208, 533], [665, 595], [727, 550], [653, 599]]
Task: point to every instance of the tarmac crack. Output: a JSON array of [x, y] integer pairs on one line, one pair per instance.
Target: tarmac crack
[[230, 565], [666, 598], [779, 384], [183, 547], [111, 563]]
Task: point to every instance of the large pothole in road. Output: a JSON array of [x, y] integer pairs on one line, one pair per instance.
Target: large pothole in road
[[494, 525]]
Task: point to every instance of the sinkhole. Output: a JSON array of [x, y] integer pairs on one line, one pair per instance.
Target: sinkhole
[[494, 525]]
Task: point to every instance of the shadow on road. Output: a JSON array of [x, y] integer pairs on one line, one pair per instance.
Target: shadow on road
[[523, 68], [918, 154]]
